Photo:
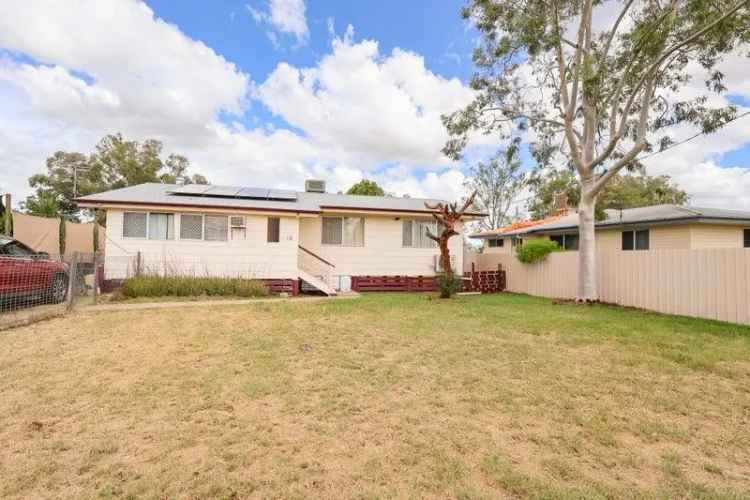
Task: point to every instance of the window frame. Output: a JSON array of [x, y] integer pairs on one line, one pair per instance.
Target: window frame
[[633, 236], [343, 242], [278, 229], [145, 236], [420, 222], [148, 226], [202, 227], [227, 233], [499, 242]]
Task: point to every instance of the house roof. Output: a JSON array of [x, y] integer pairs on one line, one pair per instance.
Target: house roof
[[221, 197], [651, 215]]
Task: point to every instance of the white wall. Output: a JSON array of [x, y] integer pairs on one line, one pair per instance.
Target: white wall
[[382, 253], [252, 257]]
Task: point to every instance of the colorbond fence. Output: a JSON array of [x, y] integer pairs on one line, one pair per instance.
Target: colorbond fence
[[710, 283]]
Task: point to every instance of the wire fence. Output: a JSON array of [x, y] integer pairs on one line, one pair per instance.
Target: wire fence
[[35, 286]]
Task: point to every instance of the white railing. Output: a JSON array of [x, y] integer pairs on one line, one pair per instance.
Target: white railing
[[314, 264]]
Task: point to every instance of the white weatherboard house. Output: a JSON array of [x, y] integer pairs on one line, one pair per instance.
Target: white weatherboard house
[[275, 235]]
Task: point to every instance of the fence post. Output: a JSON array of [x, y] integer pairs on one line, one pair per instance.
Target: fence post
[[7, 215], [138, 263], [97, 256], [72, 281]]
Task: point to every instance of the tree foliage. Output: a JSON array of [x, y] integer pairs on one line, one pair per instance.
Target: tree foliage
[[623, 191], [535, 249], [497, 184], [367, 188], [115, 163], [598, 96]]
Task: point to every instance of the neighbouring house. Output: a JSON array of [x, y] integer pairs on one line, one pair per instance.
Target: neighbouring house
[[286, 238], [657, 227]]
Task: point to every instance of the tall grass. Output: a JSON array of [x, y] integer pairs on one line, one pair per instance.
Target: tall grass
[[191, 286]]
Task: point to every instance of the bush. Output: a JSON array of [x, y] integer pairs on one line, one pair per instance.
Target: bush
[[448, 286], [189, 286], [536, 250]]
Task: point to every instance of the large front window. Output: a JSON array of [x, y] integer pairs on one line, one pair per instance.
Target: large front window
[[343, 231], [414, 233]]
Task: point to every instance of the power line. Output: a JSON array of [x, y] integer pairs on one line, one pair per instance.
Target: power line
[[675, 144]]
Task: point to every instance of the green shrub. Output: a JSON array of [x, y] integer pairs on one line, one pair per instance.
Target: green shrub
[[448, 286], [535, 250], [189, 286]]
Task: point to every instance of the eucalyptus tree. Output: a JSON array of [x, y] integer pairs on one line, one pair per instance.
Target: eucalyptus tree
[[598, 84]]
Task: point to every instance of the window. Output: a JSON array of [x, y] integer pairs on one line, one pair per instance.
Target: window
[[747, 238], [17, 249], [216, 227], [414, 233], [238, 227], [635, 240], [160, 226], [515, 241], [345, 231], [566, 241], [273, 230], [191, 227], [496, 243], [134, 224]]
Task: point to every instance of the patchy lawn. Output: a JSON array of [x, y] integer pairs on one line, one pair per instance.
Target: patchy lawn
[[385, 396]]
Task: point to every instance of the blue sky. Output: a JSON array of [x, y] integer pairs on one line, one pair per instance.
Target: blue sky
[[265, 92]]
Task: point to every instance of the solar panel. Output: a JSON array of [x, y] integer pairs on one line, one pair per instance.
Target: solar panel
[[195, 189], [254, 193], [281, 194], [222, 191]]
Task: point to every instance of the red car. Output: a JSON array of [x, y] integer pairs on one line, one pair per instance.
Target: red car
[[26, 274]]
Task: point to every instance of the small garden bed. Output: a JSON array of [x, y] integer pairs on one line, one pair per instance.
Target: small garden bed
[[191, 287]]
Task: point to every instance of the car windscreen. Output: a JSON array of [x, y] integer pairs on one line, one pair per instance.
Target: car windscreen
[[16, 249]]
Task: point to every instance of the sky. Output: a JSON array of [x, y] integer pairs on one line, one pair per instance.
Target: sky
[[273, 92]]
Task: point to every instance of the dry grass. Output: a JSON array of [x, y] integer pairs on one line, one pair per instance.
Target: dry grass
[[385, 396]]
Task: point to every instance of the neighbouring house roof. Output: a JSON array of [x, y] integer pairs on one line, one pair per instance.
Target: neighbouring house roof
[[244, 198], [643, 216]]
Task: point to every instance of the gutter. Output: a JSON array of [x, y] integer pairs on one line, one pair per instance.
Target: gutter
[[614, 225]]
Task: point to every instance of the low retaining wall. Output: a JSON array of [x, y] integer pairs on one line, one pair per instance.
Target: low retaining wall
[[477, 281]]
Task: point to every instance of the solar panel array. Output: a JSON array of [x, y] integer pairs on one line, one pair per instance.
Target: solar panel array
[[249, 193]]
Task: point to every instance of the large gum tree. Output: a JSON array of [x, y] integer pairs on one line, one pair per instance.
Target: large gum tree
[[599, 84]]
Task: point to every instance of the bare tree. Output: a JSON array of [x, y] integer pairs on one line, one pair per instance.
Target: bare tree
[[601, 97], [497, 185], [447, 215]]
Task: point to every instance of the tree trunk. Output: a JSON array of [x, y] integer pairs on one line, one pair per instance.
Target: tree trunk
[[445, 258], [587, 291]]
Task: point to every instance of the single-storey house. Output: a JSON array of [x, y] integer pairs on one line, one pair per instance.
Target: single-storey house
[[656, 227], [274, 235]]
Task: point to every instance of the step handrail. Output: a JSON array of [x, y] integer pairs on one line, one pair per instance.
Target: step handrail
[[315, 255]]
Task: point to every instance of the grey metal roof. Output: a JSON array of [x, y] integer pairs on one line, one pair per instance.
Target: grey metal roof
[[654, 214], [161, 194]]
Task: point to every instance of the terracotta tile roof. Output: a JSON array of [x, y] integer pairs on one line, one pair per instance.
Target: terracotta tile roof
[[522, 224]]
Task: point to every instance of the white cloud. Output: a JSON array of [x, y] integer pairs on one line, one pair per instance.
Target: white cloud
[[283, 16], [358, 103]]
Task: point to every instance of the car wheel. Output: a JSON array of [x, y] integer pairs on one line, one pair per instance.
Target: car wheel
[[58, 289]]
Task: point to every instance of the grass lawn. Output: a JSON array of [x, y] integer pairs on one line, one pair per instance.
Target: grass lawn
[[385, 396]]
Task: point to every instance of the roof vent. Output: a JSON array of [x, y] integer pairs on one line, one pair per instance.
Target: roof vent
[[315, 186]]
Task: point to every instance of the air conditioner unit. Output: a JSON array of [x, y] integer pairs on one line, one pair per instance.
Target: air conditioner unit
[[315, 186], [237, 221], [439, 265]]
